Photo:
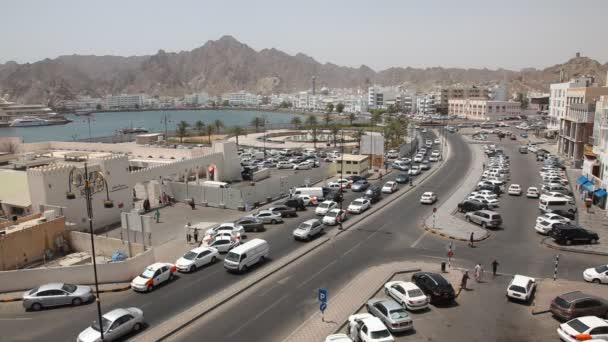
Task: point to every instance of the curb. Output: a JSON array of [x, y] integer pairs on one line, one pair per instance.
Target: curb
[[119, 289], [11, 300], [435, 232], [568, 249]]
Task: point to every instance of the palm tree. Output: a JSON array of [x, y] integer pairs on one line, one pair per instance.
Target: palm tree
[[296, 122], [237, 131], [312, 123], [219, 124], [358, 134], [209, 130], [351, 118], [334, 132], [199, 126], [182, 130], [257, 122]]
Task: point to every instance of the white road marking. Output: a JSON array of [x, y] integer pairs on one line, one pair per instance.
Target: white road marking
[[254, 318], [419, 239], [16, 319]]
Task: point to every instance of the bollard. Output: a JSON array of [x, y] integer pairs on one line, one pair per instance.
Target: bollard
[[443, 264]]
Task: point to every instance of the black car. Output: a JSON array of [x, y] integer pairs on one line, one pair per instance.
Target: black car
[[569, 214], [436, 287], [373, 194], [284, 210], [251, 224], [468, 206], [494, 188], [354, 178], [567, 234], [402, 178], [296, 203]]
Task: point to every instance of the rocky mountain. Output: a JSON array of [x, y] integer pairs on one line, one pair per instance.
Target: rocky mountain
[[227, 65]]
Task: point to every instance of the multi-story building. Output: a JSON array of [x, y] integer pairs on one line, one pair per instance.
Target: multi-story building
[[197, 99], [557, 99], [381, 97], [242, 98], [407, 102], [125, 101], [595, 165], [498, 92], [483, 109], [84, 103], [426, 104], [443, 95], [576, 126]]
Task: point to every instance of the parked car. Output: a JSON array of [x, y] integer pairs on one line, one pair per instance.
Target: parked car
[[267, 216], [56, 294], [338, 338], [571, 215], [402, 178], [400, 165], [545, 226], [435, 286], [490, 202], [114, 324], [373, 194], [296, 202], [223, 243], [468, 206], [552, 216], [425, 165], [598, 275], [325, 206], [359, 205], [532, 192], [589, 328], [371, 328], [408, 294], [514, 190], [354, 178], [428, 198], [360, 185], [308, 229], [334, 217], [153, 276], [414, 170], [197, 257], [391, 313], [389, 187], [284, 210], [567, 234], [284, 165], [521, 288], [305, 165], [576, 304], [485, 218], [250, 224]]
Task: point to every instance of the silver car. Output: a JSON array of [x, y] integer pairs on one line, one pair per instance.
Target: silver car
[[56, 294], [267, 216], [391, 313], [115, 324]]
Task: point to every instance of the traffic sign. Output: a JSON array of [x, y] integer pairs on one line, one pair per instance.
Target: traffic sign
[[323, 296], [450, 254], [323, 307]]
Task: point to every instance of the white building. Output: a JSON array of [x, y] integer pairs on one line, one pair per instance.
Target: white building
[[595, 165], [197, 99], [242, 98], [557, 99], [125, 101], [482, 109], [498, 92], [84, 103], [381, 97], [426, 104]]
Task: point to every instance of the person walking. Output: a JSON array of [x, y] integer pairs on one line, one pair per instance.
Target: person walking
[[471, 239], [494, 267], [463, 282], [188, 237], [192, 205], [157, 215], [195, 235], [477, 272]]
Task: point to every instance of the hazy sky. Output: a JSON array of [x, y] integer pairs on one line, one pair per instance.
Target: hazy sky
[[460, 33]]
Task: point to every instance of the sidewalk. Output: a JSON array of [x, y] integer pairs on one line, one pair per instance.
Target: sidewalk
[[595, 220], [445, 223]]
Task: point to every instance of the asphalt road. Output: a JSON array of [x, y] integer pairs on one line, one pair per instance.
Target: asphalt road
[[63, 324]]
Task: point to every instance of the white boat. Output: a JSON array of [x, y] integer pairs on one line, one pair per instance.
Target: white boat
[[28, 121]]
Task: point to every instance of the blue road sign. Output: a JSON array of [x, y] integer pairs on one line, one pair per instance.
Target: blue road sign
[[323, 295], [323, 307]]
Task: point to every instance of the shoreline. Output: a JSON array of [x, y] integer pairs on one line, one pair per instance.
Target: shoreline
[[242, 109]]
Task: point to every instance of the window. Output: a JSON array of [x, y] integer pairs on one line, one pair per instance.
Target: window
[[599, 331]]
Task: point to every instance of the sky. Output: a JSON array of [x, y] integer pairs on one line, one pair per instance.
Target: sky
[[490, 34]]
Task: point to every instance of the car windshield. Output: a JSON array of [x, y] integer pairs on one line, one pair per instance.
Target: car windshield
[[34, 290], [190, 255], [233, 257], [358, 202], [517, 288], [324, 205], [148, 273], [379, 334], [69, 288], [601, 269], [105, 323], [415, 293], [333, 212], [398, 313], [577, 325]]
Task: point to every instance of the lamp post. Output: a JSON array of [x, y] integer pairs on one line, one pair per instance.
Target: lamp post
[[341, 196], [90, 183]]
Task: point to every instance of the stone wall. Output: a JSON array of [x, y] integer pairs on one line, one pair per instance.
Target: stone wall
[[106, 246]]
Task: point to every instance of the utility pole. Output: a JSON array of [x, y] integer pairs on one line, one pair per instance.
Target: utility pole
[[341, 175]]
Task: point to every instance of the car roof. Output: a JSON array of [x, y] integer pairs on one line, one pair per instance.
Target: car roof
[[593, 321], [265, 211], [311, 221], [427, 193], [440, 280], [200, 249], [521, 280], [116, 313], [374, 323], [576, 295], [50, 286], [157, 265], [390, 304]]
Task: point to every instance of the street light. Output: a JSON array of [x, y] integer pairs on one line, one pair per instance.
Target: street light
[[90, 183], [341, 196]]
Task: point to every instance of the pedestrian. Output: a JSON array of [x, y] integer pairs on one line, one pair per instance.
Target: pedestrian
[[134, 194], [165, 198], [471, 239], [195, 235], [157, 215], [188, 237], [494, 267], [192, 205], [477, 272], [484, 166], [146, 205], [463, 282], [291, 192]]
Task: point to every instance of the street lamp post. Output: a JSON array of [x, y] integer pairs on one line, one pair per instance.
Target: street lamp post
[[341, 176], [90, 183]]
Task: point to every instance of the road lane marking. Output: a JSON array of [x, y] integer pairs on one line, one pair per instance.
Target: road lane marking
[[254, 318], [15, 319], [419, 239]]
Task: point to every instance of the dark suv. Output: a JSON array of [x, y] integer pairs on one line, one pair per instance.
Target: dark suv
[[296, 203], [284, 210], [435, 286], [373, 194], [576, 304], [468, 206], [567, 234]]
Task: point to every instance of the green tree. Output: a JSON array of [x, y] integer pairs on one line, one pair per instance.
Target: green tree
[[357, 135], [258, 122], [327, 118], [98, 107], [237, 131], [296, 122], [521, 98], [330, 107], [182, 130], [392, 109], [376, 118], [313, 125], [335, 130], [351, 118], [219, 124], [199, 126], [285, 104], [265, 100], [340, 107], [210, 130], [226, 103]]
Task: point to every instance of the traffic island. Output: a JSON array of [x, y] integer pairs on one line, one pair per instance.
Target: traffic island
[[595, 249]]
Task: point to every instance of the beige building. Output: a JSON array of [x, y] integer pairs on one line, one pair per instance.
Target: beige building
[[353, 164], [443, 95], [482, 109]]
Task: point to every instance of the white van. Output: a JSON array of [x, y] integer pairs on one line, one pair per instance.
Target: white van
[[213, 184], [316, 191], [244, 256], [548, 204]]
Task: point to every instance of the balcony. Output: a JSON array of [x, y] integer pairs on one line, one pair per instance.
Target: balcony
[[581, 113]]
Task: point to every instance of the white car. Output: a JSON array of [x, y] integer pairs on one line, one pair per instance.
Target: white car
[[116, 324], [407, 294], [544, 226], [324, 207], [597, 275], [308, 200], [532, 192], [437, 142], [392, 154], [359, 205], [414, 170], [303, 166], [284, 165], [153, 276], [487, 194], [521, 288], [338, 338], [490, 202], [583, 328], [558, 195], [514, 190], [428, 198], [418, 158], [334, 217], [234, 229], [268, 216], [551, 216], [433, 158], [196, 258], [223, 243], [372, 329], [307, 229], [389, 187]]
